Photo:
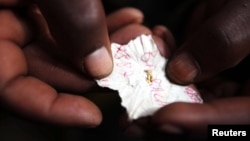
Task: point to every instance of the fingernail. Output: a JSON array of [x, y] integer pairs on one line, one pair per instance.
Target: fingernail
[[99, 63], [182, 69]]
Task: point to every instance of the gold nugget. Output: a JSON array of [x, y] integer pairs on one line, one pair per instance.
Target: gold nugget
[[149, 77]]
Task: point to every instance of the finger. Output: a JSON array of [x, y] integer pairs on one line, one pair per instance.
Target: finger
[[14, 33], [123, 17], [14, 28], [166, 35], [125, 34], [131, 31], [35, 99], [79, 27], [220, 43], [194, 118], [42, 55], [168, 39], [43, 60]]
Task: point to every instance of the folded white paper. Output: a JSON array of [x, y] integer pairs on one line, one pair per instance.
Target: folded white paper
[[139, 77]]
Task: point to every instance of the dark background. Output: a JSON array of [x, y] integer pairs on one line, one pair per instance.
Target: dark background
[[174, 14]]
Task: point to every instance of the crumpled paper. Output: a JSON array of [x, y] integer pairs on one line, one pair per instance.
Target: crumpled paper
[[139, 77]]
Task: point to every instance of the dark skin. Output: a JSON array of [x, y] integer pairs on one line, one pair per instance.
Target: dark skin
[[215, 57], [23, 35], [40, 78]]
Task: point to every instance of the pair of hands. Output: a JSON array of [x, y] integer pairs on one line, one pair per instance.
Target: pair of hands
[[37, 83]]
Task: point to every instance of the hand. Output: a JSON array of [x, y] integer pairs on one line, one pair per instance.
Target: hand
[[216, 40], [40, 76], [215, 58]]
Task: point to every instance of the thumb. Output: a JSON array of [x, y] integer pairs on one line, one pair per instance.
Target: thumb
[[79, 27], [220, 43]]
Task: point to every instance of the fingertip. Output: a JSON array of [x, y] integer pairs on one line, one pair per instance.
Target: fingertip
[[162, 46], [182, 69], [123, 17], [99, 63], [74, 111], [94, 118], [165, 34], [91, 116], [136, 15], [125, 34]]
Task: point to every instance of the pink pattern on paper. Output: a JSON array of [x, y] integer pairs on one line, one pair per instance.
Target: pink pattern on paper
[[157, 90], [193, 94], [156, 85], [124, 64], [127, 73], [121, 52], [146, 57], [160, 99]]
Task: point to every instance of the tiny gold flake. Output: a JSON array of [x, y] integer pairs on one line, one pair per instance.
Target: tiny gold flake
[[149, 77]]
